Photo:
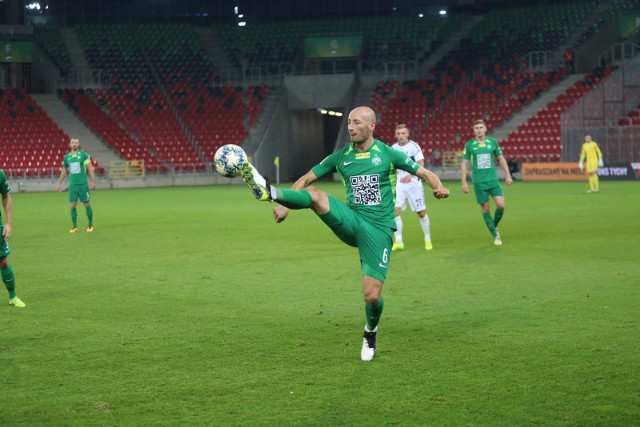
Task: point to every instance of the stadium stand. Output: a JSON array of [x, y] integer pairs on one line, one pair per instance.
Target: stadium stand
[[32, 144], [163, 102]]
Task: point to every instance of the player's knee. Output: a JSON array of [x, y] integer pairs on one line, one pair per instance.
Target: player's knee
[[371, 298], [319, 200], [372, 290], [4, 262]]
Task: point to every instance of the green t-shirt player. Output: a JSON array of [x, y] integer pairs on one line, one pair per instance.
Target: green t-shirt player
[[367, 168], [76, 165], [5, 266], [479, 152]]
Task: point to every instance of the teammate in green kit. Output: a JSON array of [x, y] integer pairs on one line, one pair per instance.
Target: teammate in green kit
[[480, 152], [77, 164], [367, 168], [5, 266]]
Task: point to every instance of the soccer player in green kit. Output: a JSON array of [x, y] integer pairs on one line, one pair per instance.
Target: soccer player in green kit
[[77, 164], [5, 266], [367, 168], [480, 151]]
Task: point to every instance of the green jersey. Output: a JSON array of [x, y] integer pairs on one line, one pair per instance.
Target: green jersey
[[369, 178], [480, 155], [76, 164], [4, 188]]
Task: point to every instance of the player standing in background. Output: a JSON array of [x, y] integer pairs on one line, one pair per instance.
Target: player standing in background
[[409, 189], [479, 152], [591, 152], [76, 164], [5, 266], [367, 167]]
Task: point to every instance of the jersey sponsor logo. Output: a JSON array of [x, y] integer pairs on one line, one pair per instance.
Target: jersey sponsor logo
[[74, 168], [483, 161], [363, 155], [366, 190]]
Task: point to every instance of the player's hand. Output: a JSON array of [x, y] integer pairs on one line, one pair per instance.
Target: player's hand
[[441, 193], [6, 232], [406, 179], [465, 187], [580, 165], [600, 163], [280, 213], [508, 180], [92, 185]]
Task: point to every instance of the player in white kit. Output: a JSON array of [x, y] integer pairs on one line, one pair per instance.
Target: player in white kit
[[409, 190]]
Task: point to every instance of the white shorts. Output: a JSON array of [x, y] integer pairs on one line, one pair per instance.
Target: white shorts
[[411, 193]]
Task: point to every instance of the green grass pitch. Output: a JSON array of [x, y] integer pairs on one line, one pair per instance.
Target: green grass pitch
[[190, 306]]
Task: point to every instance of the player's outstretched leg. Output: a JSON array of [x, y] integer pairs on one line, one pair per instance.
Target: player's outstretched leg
[[259, 186]]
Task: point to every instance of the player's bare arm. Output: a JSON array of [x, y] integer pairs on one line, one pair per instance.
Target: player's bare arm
[[439, 192], [92, 176], [505, 167], [63, 174], [463, 172], [8, 216]]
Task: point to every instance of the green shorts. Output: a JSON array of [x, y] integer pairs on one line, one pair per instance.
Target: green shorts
[[373, 242], [79, 192], [485, 189]]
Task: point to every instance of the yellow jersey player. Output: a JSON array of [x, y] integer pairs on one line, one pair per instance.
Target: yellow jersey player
[[592, 154]]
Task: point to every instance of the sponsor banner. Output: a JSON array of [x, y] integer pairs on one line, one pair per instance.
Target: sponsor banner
[[552, 172], [571, 172], [618, 171]]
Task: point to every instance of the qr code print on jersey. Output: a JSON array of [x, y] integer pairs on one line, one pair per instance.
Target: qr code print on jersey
[[366, 190], [483, 161]]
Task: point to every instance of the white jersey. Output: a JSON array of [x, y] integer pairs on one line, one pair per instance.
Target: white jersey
[[413, 150]]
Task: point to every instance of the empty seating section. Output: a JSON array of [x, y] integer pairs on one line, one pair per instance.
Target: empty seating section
[[632, 118], [32, 144], [162, 106], [108, 129], [441, 122], [482, 78], [510, 33], [143, 112], [387, 38], [539, 139], [49, 37], [214, 115], [616, 9]]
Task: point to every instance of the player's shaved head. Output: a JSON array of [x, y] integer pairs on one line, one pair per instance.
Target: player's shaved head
[[365, 113]]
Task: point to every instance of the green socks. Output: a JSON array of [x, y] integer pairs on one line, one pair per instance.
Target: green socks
[[90, 215], [373, 313], [9, 282], [293, 199], [498, 216], [74, 217], [490, 224]]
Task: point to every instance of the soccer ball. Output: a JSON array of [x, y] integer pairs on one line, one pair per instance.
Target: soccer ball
[[228, 160]]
